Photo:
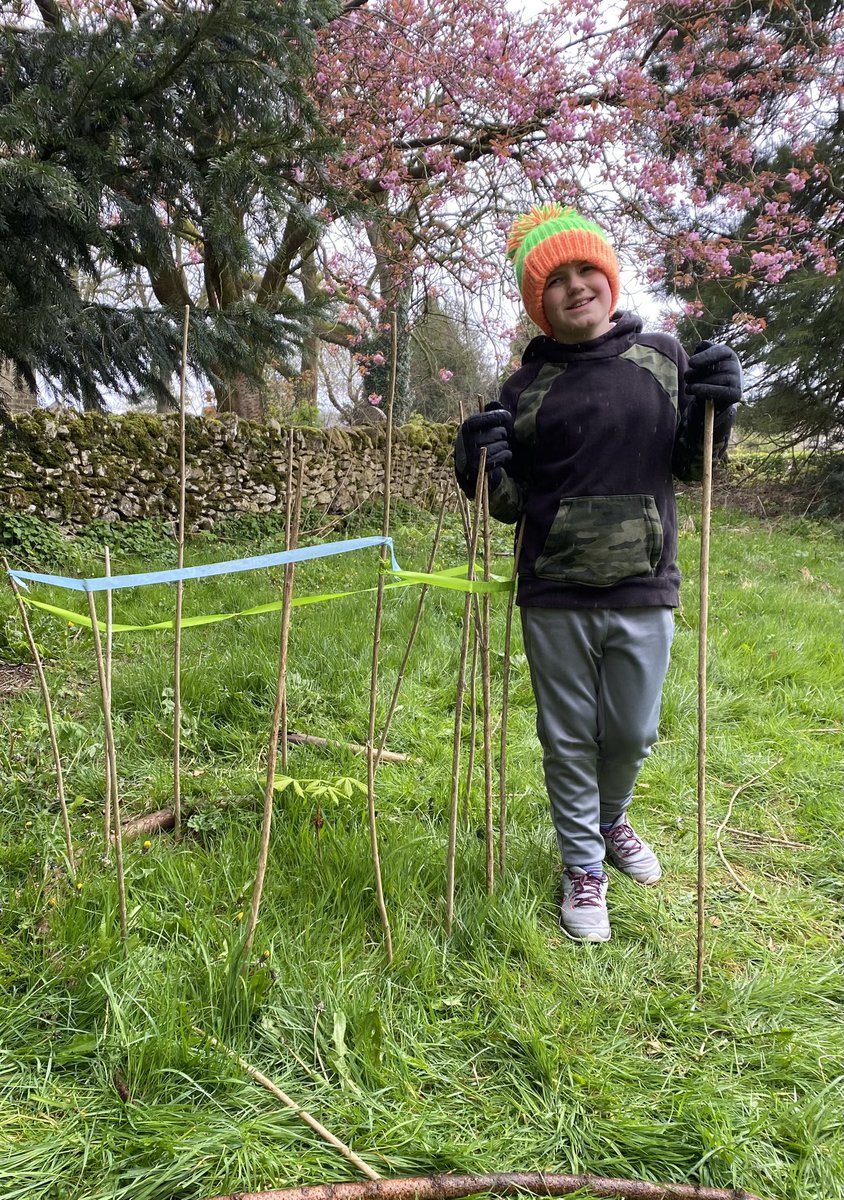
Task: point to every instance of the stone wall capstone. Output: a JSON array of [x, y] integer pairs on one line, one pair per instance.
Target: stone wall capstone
[[74, 468]]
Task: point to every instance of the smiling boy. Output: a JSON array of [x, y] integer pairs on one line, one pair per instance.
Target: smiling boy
[[582, 450]]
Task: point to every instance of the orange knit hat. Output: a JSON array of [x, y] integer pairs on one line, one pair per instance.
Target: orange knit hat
[[547, 237]]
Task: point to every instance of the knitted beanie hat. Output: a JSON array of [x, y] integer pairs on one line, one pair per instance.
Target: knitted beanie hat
[[547, 237]]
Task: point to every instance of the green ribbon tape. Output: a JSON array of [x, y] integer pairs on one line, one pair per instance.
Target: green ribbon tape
[[449, 579]]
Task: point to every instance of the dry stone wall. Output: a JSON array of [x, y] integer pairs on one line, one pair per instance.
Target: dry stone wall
[[73, 468]]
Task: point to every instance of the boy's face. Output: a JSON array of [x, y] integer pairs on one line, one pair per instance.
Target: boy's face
[[577, 302]]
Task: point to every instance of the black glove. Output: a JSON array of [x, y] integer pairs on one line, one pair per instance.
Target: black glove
[[714, 374], [492, 430]]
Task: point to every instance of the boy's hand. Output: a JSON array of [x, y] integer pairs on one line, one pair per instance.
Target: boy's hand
[[714, 374], [490, 429]]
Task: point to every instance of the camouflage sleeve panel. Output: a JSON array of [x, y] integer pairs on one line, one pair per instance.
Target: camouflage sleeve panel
[[505, 499]]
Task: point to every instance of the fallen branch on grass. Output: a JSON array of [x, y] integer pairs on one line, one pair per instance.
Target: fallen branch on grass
[[308, 739], [302, 1113], [724, 824], [533, 1183], [154, 822]]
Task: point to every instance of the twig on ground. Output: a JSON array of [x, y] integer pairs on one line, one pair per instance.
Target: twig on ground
[[307, 739], [723, 826], [535, 1183], [766, 838], [302, 1113], [51, 728]]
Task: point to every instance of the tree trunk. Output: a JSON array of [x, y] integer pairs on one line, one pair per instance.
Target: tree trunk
[[15, 394], [241, 396]]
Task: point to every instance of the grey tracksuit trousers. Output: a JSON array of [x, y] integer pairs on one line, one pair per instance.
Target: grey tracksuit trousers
[[597, 676]]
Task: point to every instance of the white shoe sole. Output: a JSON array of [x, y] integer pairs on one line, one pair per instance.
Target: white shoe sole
[[593, 935]]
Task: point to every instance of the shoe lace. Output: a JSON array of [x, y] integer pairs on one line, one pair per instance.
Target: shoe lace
[[623, 838], [587, 891]]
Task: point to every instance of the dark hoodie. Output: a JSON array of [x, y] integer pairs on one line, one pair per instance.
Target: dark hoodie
[[600, 428]]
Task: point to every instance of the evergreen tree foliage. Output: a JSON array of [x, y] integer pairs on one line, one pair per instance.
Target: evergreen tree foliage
[[171, 142], [788, 332]]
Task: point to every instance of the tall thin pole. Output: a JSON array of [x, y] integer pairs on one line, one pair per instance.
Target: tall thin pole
[[109, 648], [376, 645], [458, 707], [112, 767], [272, 749], [180, 543], [423, 592], [505, 708], [288, 573], [51, 728], [487, 692], [703, 630]]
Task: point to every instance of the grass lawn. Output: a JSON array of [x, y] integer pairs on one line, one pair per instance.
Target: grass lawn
[[504, 1047]]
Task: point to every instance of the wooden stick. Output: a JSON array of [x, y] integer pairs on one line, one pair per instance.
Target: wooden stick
[[105, 698], [302, 1113], [51, 728], [272, 749], [109, 647], [376, 646], [423, 592], [724, 825], [703, 629], [487, 691], [473, 719], [511, 1183], [154, 822], [308, 739], [505, 707], [180, 543], [458, 707], [288, 529]]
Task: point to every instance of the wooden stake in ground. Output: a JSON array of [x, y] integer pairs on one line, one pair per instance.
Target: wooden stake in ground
[[180, 543], [505, 705], [302, 1113], [376, 645], [511, 1183], [109, 655], [105, 697], [51, 728], [272, 749], [487, 691], [423, 592], [703, 631], [458, 706], [288, 545]]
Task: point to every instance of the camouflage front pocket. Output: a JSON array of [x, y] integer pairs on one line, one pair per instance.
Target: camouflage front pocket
[[600, 540]]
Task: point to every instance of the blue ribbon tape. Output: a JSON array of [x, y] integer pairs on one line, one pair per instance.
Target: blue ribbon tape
[[111, 583]]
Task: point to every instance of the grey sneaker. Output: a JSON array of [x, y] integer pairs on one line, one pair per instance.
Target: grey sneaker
[[632, 856], [583, 914]]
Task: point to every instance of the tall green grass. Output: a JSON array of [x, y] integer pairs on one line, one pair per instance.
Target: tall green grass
[[505, 1047]]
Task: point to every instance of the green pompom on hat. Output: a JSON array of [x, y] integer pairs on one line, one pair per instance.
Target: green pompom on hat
[[547, 237]]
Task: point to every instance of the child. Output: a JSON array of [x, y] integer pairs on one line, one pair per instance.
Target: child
[[582, 449]]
